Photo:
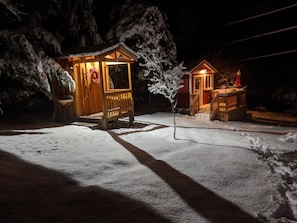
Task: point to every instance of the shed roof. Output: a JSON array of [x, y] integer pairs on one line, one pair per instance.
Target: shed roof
[[192, 66], [102, 49]]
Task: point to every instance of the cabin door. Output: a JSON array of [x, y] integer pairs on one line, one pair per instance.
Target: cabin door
[[198, 83], [88, 98]]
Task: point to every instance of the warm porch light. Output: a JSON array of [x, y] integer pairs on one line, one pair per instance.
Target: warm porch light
[[203, 71], [115, 63]]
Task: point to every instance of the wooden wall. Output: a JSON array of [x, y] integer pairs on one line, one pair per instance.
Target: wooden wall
[[88, 98]]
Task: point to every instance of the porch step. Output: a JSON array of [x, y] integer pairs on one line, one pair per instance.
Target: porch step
[[203, 115], [93, 118], [87, 124], [89, 120], [205, 108]]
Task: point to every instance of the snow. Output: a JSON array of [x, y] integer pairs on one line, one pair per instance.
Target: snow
[[211, 165]]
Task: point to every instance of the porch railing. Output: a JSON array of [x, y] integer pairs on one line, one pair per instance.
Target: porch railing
[[117, 104], [214, 107], [195, 104], [228, 106]]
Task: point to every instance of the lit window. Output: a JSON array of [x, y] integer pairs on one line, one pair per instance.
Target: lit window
[[118, 76], [197, 84], [208, 82]]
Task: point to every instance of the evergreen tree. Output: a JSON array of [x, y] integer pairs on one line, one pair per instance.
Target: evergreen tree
[[31, 36]]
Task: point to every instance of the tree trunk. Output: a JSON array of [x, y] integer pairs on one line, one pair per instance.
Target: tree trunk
[[174, 121]]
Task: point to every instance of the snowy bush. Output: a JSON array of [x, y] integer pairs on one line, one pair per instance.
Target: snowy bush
[[54, 71], [225, 80]]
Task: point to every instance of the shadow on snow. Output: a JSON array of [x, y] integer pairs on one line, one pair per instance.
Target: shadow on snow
[[205, 202], [32, 194]]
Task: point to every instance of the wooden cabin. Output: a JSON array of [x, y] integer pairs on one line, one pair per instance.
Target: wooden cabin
[[102, 75], [198, 86], [224, 104]]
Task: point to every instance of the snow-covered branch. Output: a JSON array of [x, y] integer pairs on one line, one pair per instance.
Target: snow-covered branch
[[83, 29], [28, 67], [55, 72], [167, 83], [12, 10], [47, 39]]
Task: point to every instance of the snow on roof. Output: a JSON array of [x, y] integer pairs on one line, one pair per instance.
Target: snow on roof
[[193, 65], [98, 50]]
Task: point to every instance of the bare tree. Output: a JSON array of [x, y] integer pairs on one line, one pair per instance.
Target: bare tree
[[147, 30]]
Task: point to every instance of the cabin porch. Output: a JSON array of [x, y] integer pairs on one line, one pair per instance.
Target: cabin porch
[[228, 104], [117, 104]]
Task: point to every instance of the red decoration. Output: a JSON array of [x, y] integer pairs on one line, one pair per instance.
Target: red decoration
[[238, 82], [94, 75]]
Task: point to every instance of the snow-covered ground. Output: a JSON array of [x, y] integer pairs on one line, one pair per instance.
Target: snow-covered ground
[[248, 169]]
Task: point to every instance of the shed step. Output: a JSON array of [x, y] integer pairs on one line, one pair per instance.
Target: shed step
[[87, 124]]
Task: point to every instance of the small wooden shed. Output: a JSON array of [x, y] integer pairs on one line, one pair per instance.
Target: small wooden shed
[[102, 75], [198, 85]]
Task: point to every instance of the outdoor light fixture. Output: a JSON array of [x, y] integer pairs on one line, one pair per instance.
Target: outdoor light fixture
[[203, 71]]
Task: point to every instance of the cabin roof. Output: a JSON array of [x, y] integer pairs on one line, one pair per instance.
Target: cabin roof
[[192, 66], [101, 49]]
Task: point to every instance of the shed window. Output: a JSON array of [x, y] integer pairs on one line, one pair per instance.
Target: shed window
[[208, 82], [197, 82], [118, 75]]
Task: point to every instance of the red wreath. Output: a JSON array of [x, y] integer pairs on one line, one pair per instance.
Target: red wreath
[[94, 75]]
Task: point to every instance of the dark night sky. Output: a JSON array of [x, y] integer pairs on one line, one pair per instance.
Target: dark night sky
[[197, 26]]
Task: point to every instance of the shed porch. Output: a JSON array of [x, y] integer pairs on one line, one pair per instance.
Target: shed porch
[[102, 75]]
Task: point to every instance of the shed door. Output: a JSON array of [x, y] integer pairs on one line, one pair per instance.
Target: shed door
[[88, 98], [197, 88]]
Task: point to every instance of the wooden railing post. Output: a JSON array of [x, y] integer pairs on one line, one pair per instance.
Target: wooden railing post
[[118, 103], [214, 109], [195, 105], [228, 105]]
